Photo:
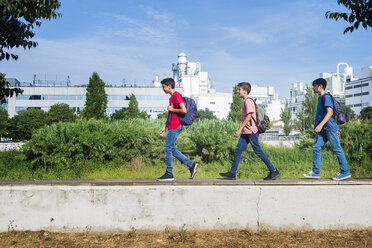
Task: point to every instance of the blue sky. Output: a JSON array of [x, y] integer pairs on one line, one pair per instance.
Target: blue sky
[[266, 42]]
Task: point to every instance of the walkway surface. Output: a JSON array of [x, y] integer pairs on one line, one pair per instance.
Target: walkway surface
[[186, 182]]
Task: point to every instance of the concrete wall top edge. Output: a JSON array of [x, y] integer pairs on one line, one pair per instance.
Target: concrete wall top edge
[[187, 182]]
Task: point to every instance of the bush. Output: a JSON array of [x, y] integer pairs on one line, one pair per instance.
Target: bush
[[86, 145]]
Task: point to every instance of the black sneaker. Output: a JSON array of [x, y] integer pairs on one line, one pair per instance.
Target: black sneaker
[[228, 175], [273, 175], [165, 177], [193, 169]]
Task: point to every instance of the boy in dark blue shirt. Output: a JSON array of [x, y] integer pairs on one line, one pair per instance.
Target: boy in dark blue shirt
[[326, 129]]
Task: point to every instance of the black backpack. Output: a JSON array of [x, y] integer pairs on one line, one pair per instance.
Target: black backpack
[[339, 114]]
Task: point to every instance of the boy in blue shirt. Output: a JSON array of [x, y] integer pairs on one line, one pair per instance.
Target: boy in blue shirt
[[326, 129]]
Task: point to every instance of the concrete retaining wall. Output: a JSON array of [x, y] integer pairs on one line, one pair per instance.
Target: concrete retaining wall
[[113, 208]]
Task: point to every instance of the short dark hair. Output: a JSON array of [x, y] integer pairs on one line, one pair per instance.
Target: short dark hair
[[320, 81], [168, 81], [245, 86]]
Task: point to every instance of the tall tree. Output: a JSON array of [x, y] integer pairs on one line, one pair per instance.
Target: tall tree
[[361, 13], [4, 121], [236, 106], [132, 111], [60, 112], [306, 115], [286, 116], [96, 103], [17, 21]]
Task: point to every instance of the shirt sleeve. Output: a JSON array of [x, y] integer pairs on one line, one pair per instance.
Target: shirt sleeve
[[250, 106], [177, 99], [328, 101]]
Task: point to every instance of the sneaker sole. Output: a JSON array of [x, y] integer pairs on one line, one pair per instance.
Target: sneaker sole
[[194, 172], [340, 179], [168, 179], [310, 176], [275, 177]]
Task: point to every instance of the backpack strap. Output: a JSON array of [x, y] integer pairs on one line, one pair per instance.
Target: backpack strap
[[333, 103], [255, 106]]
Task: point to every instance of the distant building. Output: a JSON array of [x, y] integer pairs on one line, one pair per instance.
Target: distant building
[[150, 99], [336, 81], [358, 93], [196, 84]]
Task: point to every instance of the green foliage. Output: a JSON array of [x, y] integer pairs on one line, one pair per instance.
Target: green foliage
[[60, 112], [84, 145], [96, 103], [236, 106], [5, 91], [17, 22], [348, 111], [134, 149], [132, 112], [213, 139], [162, 116], [361, 13], [286, 116], [205, 114], [307, 112], [356, 140], [366, 113], [26, 122], [4, 122]]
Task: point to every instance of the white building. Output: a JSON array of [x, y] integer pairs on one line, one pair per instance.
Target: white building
[[296, 98], [358, 93], [336, 81], [196, 84], [150, 99]]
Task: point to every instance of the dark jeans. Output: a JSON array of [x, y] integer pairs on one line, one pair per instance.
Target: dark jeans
[[243, 142]]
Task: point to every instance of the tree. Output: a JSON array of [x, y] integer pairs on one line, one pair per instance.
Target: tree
[[132, 112], [236, 106], [4, 122], [366, 113], [26, 122], [17, 22], [60, 112], [306, 115], [96, 103], [118, 115], [163, 115], [205, 114], [361, 13], [286, 116], [5, 91], [348, 111]]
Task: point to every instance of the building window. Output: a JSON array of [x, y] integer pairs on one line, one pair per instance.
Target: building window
[[365, 93], [348, 96], [348, 88], [212, 103], [358, 105], [364, 85], [358, 94]]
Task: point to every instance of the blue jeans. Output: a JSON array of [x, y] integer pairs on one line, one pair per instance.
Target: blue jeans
[[320, 139], [171, 150], [243, 142]]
